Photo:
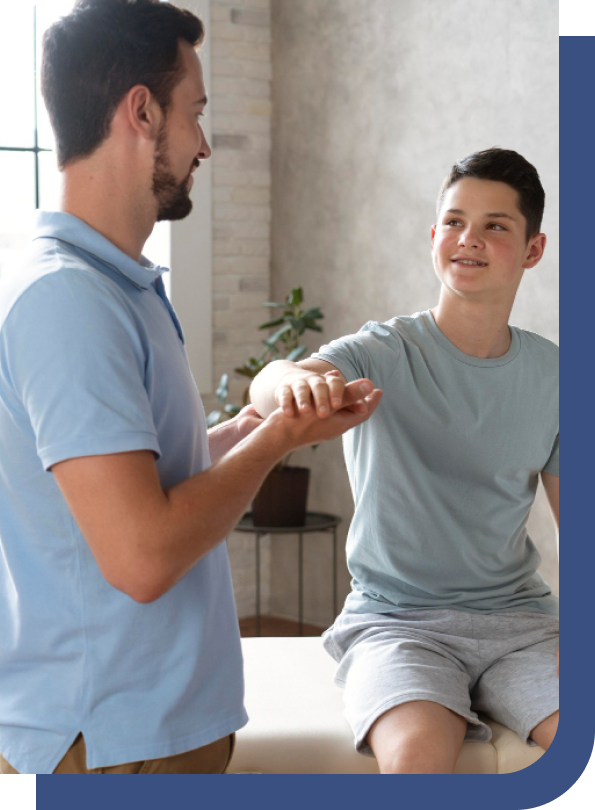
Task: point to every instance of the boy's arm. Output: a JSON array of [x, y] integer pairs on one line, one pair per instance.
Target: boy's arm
[[551, 484], [301, 387]]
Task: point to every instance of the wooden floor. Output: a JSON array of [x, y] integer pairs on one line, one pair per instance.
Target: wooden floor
[[272, 626]]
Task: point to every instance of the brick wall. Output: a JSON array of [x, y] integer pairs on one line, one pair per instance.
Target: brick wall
[[240, 107]]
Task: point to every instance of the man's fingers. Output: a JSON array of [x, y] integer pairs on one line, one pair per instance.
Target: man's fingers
[[336, 387], [323, 394], [360, 411], [285, 400], [356, 391], [320, 393]]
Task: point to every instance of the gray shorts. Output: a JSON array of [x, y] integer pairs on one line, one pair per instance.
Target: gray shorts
[[502, 664]]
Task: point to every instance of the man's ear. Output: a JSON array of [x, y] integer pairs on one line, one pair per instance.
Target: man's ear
[[143, 112], [433, 234], [535, 249]]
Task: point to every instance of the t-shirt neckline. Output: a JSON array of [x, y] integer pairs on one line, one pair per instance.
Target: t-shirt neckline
[[469, 359]]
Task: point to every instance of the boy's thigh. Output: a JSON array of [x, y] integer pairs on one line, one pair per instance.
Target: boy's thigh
[[385, 662], [417, 737], [521, 688]]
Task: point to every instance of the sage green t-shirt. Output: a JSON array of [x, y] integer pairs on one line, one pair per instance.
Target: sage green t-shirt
[[444, 473]]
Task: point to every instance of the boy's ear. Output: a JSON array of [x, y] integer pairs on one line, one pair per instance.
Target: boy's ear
[[535, 250], [433, 234], [142, 111]]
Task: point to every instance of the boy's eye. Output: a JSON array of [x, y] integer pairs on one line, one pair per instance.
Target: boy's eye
[[453, 222], [495, 226]]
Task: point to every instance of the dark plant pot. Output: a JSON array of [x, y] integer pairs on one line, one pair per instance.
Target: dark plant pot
[[282, 498]]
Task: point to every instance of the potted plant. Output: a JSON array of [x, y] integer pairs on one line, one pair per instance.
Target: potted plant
[[282, 498]]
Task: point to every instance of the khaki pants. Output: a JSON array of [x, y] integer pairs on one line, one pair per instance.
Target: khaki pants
[[212, 758]]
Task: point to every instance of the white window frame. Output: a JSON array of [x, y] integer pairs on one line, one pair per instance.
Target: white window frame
[[191, 244]]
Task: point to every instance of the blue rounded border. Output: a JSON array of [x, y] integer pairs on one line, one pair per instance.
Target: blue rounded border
[[554, 773]]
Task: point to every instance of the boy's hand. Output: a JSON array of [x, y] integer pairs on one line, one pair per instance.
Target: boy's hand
[[300, 392]]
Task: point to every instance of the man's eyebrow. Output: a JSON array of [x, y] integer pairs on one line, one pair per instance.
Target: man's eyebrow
[[493, 215]]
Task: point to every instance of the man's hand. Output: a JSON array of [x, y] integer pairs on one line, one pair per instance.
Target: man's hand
[[226, 435], [304, 391], [308, 428], [247, 420]]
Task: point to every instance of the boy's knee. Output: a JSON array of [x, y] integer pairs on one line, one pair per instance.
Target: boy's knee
[[544, 733]]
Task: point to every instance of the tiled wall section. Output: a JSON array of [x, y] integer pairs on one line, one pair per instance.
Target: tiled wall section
[[240, 105]]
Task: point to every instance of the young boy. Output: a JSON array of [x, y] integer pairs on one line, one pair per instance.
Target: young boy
[[447, 615]]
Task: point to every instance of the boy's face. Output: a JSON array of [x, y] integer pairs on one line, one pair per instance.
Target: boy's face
[[479, 244]]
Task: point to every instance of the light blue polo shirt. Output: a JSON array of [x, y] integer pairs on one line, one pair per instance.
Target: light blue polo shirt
[[92, 361], [444, 473]]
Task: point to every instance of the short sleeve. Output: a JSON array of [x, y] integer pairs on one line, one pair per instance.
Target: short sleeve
[[373, 352], [76, 361], [553, 463]]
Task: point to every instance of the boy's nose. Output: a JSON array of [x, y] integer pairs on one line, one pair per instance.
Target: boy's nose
[[470, 238]]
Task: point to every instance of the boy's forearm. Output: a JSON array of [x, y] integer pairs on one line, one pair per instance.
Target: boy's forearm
[[262, 389]]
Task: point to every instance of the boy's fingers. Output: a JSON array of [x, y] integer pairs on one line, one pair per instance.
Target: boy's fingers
[[285, 400]]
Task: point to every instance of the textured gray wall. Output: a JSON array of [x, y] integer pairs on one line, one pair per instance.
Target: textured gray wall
[[372, 102]]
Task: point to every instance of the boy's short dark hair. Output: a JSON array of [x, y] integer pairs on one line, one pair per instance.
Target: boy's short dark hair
[[507, 167], [93, 56]]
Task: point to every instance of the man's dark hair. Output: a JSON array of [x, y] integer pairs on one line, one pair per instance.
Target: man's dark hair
[[93, 56], [507, 167]]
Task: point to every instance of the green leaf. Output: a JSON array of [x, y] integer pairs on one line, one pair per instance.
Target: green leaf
[[233, 410], [295, 297], [274, 304], [213, 418], [314, 327], [281, 331], [313, 312], [245, 371], [297, 353], [272, 323], [223, 389]]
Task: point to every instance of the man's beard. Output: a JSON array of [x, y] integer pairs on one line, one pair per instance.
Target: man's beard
[[173, 197]]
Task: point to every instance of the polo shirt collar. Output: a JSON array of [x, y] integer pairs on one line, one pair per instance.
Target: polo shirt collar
[[71, 229]]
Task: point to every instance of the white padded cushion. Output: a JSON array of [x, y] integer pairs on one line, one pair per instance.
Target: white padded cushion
[[297, 724]]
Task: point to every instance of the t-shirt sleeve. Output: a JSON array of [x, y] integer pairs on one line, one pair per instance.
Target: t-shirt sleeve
[[373, 352], [553, 463], [76, 361]]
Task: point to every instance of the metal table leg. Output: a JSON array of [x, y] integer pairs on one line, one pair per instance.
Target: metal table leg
[[258, 536], [334, 573], [301, 584]]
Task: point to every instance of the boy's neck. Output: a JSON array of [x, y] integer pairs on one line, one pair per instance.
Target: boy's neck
[[475, 328]]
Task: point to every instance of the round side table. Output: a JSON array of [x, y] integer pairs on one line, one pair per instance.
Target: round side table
[[315, 522]]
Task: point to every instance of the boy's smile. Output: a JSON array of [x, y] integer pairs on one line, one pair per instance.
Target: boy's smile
[[479, 244]]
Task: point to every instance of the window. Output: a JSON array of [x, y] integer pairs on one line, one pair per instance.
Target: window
[[29, 178]]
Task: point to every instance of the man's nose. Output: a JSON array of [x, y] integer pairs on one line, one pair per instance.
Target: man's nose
[[205, 150]]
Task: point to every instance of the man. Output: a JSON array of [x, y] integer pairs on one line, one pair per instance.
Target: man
[[447, 614], [119, 642]]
